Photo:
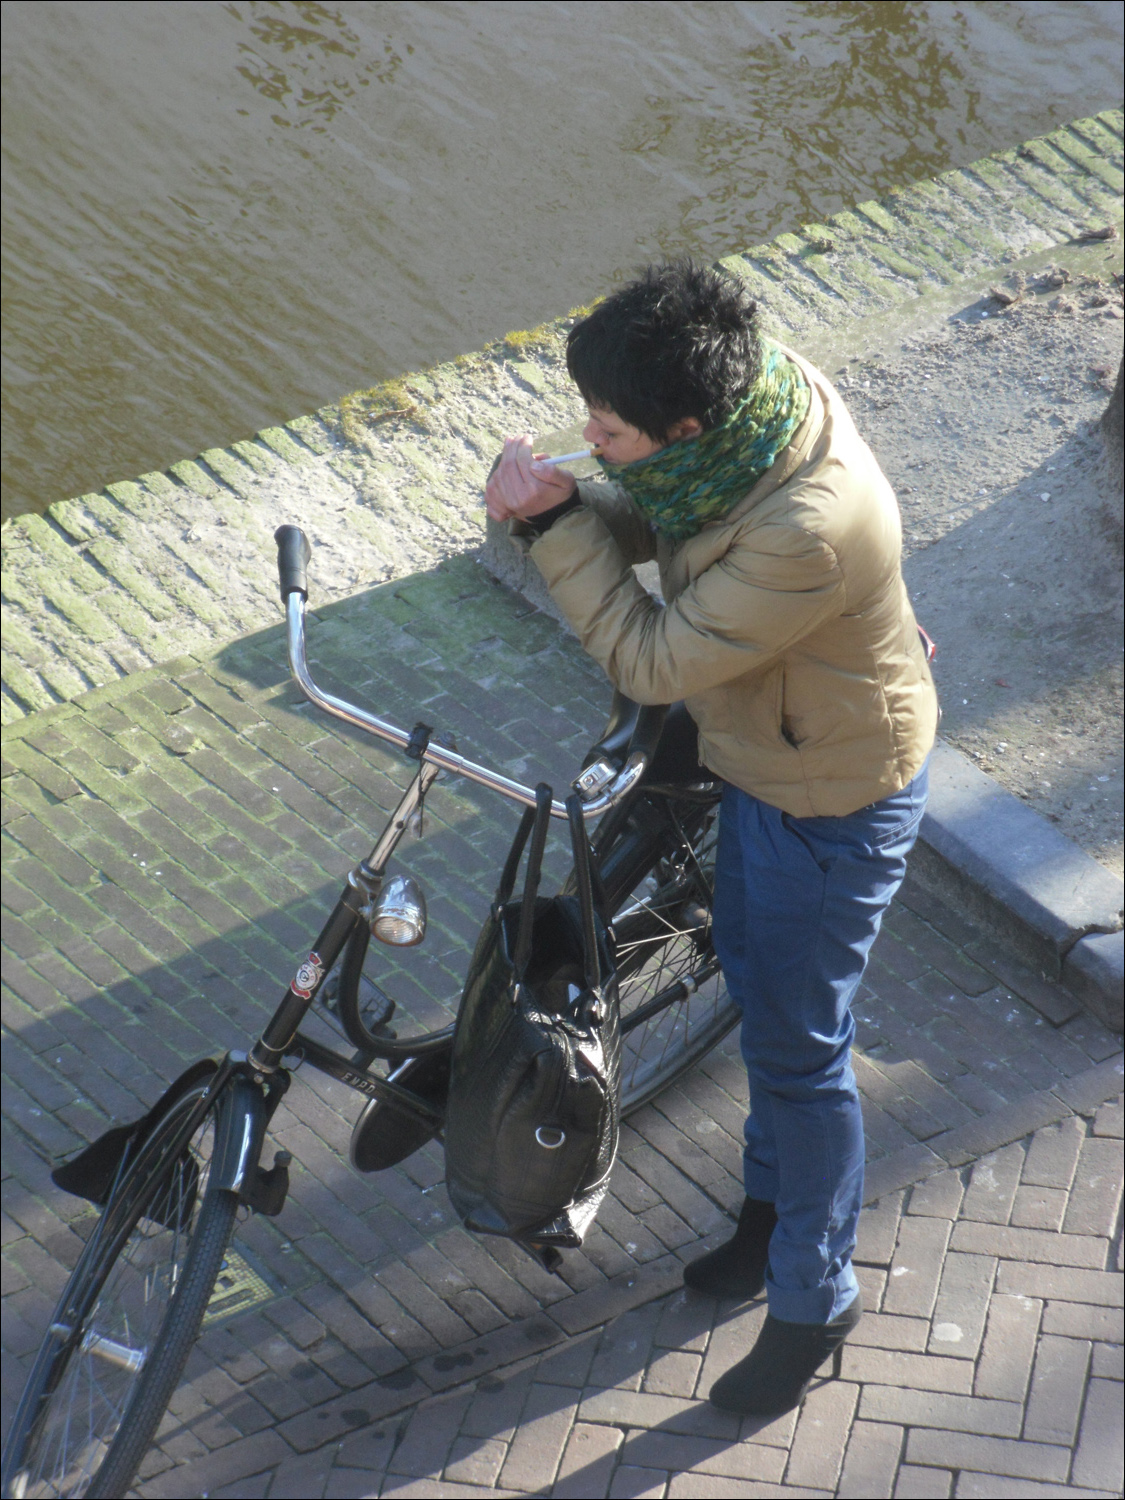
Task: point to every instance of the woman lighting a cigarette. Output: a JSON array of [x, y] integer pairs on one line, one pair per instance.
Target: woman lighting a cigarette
[[787, 631]]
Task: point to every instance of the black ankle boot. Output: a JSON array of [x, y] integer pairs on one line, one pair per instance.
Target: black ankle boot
[[775, 1375], [738, 1268]]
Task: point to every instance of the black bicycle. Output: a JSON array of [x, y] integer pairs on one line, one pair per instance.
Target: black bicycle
[[171, 1186]]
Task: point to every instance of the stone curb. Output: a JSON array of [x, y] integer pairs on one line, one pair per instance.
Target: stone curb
[[982, 848]]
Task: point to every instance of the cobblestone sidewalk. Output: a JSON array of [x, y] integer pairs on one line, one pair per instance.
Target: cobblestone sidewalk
[[172, 844], [989, 1364]]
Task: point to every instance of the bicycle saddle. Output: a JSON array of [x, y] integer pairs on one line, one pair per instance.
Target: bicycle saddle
[[666, 734]]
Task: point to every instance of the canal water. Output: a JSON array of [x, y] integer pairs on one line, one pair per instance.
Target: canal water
[[220, 215]]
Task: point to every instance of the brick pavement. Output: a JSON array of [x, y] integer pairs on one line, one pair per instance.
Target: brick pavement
[[172, 844], [989, 1364]]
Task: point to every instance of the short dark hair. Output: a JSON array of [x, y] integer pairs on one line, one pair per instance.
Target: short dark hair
[[680, 341]]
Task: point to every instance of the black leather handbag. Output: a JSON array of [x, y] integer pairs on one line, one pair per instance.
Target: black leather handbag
[[532, 1121]]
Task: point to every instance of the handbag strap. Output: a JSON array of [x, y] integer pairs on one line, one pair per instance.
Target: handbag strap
[[585, 881], [541, 817], [512, 863]]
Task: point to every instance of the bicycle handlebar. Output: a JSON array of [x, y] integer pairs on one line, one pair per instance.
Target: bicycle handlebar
[[293, 554]]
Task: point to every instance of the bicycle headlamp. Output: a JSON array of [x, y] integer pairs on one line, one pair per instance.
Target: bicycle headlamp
[[398, 914]]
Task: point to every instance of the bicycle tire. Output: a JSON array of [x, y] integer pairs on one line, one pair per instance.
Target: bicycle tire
[[127, 1319], [658, 868]]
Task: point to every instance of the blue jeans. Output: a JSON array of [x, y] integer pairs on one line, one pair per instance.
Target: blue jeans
[[798, 904]]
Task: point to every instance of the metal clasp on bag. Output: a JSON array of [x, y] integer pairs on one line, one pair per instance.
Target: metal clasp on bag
[[550, 1137]]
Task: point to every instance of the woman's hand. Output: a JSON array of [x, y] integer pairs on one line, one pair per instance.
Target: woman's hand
[[521, 487]]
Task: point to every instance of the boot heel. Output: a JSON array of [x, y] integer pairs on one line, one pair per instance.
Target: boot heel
[[837, 1361]]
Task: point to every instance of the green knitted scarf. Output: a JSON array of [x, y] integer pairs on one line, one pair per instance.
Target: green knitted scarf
[[696, 480]]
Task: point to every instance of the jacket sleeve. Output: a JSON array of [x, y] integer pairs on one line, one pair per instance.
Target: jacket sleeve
[[773, 586], [624, 522]]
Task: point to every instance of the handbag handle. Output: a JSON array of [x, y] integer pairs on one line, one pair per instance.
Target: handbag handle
[[539, 823], [585, 881]]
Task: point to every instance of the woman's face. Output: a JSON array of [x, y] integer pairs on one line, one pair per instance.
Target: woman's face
[[619, 443], [622, 444]]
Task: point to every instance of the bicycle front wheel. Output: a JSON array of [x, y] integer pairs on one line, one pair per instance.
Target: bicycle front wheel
[[659, 874], [122, 1332]]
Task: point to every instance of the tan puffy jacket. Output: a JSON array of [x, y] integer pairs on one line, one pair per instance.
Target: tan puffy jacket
[[786, 629]]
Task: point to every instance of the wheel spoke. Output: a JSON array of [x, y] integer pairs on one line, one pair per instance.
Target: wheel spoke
[[662, 927]]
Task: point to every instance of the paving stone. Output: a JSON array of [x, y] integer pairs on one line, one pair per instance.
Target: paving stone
[[889, 1331], [1038, 1207], [871, 1461], [1110, 1119], [1107, 1362], [1095, 1196], [624, 1350], [620, 1408], [1053, 1154], [638, 1484], [673, 1373], [878, 1231], [999, 1126], [1078, 1320], [247, 1456], [987, 1455], [1057, 1387], [1100, 1288], [475, 1460], [918, 1371], [916, 1269], [962, 1304], [1029, 1244], [301, 1478], [916, 1483], [1097, 1460], [817, 1451], [932, 1409], [429, 1435], [987, 1486], [992, 1186], [939, 1196], [539, 1441], [656, 1450], [588, 1462], [1004, 1367]]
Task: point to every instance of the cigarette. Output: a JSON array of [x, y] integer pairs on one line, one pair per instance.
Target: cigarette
[[569, 458]]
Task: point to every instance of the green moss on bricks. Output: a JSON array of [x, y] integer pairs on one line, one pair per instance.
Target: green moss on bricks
[[1041, 176], [258, 457], [285, 445], [132, 500], [530, 374], [312, 433], [62, 680], [952, 197], [231, 470], [378, 403], [1071, 144], [544, 336], [188, 472], [27, 688], [73, 516]]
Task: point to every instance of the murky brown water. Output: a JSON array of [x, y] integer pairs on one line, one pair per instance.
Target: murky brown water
[[221, 215]]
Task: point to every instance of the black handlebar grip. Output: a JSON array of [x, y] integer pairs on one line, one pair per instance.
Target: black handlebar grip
[[293, 553]]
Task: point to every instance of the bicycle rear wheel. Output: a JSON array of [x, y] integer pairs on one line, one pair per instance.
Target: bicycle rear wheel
[[659, 873], [123, 1329]]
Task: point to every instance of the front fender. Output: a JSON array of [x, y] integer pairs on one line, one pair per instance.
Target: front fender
[[239, 1132]]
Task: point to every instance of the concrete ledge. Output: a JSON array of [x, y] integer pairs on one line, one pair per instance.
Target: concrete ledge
[[985, 849], [1094, 972]]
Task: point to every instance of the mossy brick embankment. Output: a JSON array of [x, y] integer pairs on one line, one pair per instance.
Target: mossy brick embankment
[[387, 481]]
